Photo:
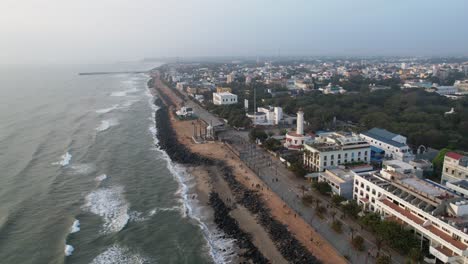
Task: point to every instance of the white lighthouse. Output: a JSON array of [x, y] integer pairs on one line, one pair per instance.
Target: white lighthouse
[[300, 122], [295, 140]]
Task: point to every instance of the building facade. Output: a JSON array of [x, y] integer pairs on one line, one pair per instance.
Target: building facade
[[433, 212], [224, 98], [394, 145], [340, 181], [335, 148], [455, 167]]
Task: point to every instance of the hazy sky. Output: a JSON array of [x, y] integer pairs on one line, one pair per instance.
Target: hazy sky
[[70, 31]]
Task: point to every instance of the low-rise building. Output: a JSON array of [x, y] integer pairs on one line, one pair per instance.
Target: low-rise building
[[340, 181], [446, 90], [266, 116], [436, 214], [455, 167], [335, 148], [394, 145], [401, 167], [332, 89], [224, 98]]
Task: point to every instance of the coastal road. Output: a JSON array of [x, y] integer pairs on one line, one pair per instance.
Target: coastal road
[[290, 188]]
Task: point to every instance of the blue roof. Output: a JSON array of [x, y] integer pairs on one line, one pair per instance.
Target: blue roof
[[384, 136]]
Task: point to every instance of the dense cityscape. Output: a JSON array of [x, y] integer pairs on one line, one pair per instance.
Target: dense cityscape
[[381, 141]]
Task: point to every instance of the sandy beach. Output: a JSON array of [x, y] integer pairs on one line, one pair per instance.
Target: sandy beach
[[209, 178]]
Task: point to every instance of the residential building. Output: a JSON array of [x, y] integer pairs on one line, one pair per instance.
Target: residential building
[[459, 187], [455, 167], [394, 145], [446, 90], [375, 88], [224, 98], [335, 148], [436, 214], [223, 90], [340, 181]]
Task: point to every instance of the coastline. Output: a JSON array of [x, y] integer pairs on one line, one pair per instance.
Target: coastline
[[230, 188]]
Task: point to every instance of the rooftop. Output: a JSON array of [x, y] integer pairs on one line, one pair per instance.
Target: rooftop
[[384, 136]]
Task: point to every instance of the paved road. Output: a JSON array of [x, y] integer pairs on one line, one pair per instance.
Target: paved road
[[288, 187]]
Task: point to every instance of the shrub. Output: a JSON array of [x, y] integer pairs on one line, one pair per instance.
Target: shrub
[[337, 226], [358, 243]]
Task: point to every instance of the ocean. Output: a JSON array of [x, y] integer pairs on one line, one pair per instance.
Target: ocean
[[81, 177]]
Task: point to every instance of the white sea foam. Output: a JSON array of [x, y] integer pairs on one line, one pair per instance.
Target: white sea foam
[[125, 92], [221, 250], [101, 177], [136, 216], [107, 110], [81, 169], [68, 250], [110, 204], [75, 227], [119, 255], [106, 124], [64, 160]]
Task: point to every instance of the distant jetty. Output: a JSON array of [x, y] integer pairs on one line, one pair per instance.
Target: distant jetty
[[118, 72]]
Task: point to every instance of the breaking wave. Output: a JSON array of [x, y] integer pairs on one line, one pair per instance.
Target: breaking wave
[[75, 227], [119, 255], [107, 110], [111, 206], [125, 92], [68, 250], [101, 177], [65, 160], [106, 124]]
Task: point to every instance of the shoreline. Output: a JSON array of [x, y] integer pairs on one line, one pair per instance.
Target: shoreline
[[274, 232]]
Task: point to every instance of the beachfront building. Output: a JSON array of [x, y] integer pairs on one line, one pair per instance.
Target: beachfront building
[[455, 167], [392, 144], [340, 181], [266, 116], [436, 214], [224, 98], [296, 139], [335, 148]]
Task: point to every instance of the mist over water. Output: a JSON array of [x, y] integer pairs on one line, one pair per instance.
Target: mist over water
[[80, 175]]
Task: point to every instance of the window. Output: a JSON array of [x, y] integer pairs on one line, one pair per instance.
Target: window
[[332, 156], [331, 163], [324, 157], [324, 163], [365, 152], [365, 158], [359, 153], [346, 155], [339, 156], [373, 191], [453, 172]]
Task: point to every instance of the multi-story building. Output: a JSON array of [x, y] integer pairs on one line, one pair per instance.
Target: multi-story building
[[340, 181], [266, 116], [394, 145], [335, 148], [455, 167], [224, 98], [436, 214]]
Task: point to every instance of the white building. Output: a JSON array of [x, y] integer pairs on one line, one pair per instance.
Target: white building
[[436, 214], [224, 98], [394, 145], [266, 116], [335, 148], [340, 181], [446, 90], [402, 167], [295, 140], [185, 112], [455, 167], [332, 89]]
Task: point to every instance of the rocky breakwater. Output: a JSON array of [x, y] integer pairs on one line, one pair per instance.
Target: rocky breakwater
[[181, 154]]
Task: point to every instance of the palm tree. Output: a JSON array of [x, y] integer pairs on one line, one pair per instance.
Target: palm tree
[[317, 202], [303, 189]]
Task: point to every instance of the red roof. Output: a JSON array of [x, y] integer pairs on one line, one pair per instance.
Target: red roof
[[454, 155]]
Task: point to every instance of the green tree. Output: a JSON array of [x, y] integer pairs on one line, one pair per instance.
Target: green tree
[[322, 187], [383, 260], [358, 243]]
